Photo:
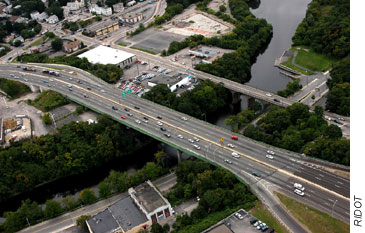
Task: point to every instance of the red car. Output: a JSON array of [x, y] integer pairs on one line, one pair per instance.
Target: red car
[[234, 137], [123, 117], [86, 96]]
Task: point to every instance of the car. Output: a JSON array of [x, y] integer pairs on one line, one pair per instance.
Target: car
[[167, 135], [222, 83], [123, 117], [297, 191], [264, 228], [268, 94], [79, 81], [197, 198], [17, 66], [102, 90], [126, 109], [269, 156], [299, 186], [86, 96], [256, 174], [341, 119], [145, 118], [271, 152], [49, 85], [145, 121], [234, 154], [138, 121], [26, 80], [129, 114], [184, 118], [234, 137], [237, 215], [114, 108], [70, 89], [10, 58], [257, 223], [180, 136], [337, 121], [190, 140], [228, 161], [159, 123], [51, 80], [162, 129], [11, 75], [70, 79], [159, 117], [231, 145], [253, 221], [196, 139], [277, 100], [88, 88], [197, 147], [45, 81], [136, 107]]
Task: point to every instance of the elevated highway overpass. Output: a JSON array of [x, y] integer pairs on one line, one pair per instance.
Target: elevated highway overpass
[[325, 191]]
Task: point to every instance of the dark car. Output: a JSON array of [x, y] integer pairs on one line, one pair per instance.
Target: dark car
[[159, 117], [252, 221], [136, 107], [126, 109], [256, 174], [130, 114], [163, 129], [114, 108], [167, 135], [277, 100], [145, 118], [88, 88], [222, 83]]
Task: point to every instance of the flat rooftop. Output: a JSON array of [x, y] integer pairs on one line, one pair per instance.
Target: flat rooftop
[[106, 55], [103, 222], [127, 214], [149, 197], [101, 24]]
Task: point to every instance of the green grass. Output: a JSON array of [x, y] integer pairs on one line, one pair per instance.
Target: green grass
[[37, 42], [291, 66], [49, 100], [144, 50], [314, 220], [313, 61], [262, 214], [53, 67], [122, 44], [13, 89]]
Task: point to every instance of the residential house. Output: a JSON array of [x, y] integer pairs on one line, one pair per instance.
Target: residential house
[[73, 6], [72, 46], [118, 7], [94, 8], [8, 38], [20, 38], [13, 18]]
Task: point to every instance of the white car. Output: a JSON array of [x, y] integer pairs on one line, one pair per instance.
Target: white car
[[299, 186], [231, 145], [145, 121], [184, 118], [180, 136], [271, 152], [257, 223], [138, 121], [228, 161], [238, 215], [300, 193], [159, 123], [102, 90], [268, 94], [234, 154], [197, 147], [269, 156], [190, 140], [196, 139]]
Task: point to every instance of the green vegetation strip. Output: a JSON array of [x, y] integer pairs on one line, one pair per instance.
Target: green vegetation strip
[[48, 100], [122, 44], [315, 220], [262, 214], [13, 89], [144, 50], [312, 60], [291, 66]]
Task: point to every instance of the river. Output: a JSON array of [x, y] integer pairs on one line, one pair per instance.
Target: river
[[284, 16]]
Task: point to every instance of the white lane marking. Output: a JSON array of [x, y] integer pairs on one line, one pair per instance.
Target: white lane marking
[[337, 186], [347, 213], [326, 203], [308, 195], [330, 199], [311, 191], [339, 182], [321, 175]]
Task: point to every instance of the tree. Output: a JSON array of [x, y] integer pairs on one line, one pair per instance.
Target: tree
[[152, 170], [57, 44], [104, 190], [333, 131], [69, 202], [37, 28], [87, 196], [17, 43], [31, 211], [46, 118], [157, 228], [222, 8], [81, 221], [53, 209]]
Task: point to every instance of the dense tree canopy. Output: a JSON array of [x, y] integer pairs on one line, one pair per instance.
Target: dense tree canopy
[[73, 149], [296, 129], [206, 98]]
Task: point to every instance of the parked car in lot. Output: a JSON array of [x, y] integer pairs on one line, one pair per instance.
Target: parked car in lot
[[277, 100], [129, 114], [136, 107], [126, 109], [138, 121], [184, 118], [159, 117]]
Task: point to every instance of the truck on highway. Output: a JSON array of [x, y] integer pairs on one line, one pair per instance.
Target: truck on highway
[[28, 68]]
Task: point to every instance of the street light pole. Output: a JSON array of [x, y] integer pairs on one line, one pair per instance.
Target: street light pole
[[205, 116]]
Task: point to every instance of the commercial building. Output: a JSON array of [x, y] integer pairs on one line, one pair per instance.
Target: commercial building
[[123, 216], [143, 206], [103, 27], [132, 18], [106, 55], [100, 10], [151, 202]]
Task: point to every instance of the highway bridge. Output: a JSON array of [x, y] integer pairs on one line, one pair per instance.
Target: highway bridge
[[323, 190]]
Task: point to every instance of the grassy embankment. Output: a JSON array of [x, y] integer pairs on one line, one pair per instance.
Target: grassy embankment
[[314, 220], [48, 100], [13, 89]]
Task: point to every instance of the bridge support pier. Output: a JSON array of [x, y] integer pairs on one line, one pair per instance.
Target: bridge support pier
[[236, 97], [34, 88], [250, 102], [179, 156]]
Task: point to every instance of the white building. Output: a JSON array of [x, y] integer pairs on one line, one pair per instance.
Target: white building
[[73, 6], [52, 19], [39, 17], [100, 10], [131, 3], [106, 55], [132, 18], [151, 202]]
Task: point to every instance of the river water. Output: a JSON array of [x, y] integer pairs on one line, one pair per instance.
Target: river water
[[284, 16]]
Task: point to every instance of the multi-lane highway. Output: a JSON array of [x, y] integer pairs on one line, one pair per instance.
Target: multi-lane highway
[[323, 190]]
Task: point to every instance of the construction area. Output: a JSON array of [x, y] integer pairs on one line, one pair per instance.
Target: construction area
[[17, 128]]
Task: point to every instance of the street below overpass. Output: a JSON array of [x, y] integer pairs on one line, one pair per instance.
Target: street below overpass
[[323, 190]]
